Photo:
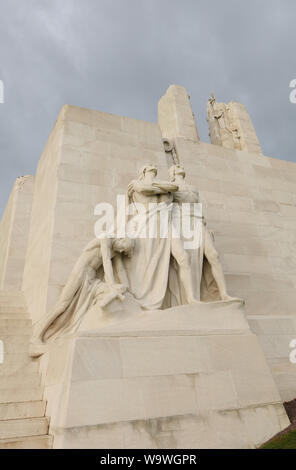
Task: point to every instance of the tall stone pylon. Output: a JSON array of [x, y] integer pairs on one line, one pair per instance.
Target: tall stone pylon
[[175, 116]]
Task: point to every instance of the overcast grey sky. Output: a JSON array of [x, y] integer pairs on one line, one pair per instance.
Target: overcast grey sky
[[120, 56]]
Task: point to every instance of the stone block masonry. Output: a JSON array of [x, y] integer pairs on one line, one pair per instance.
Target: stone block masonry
[[249, 201]]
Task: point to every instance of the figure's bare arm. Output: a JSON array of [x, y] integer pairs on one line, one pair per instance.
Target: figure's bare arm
[[77, 273], [148, 189], [94, 243], [106, 251], [165, 186], [121, 272]]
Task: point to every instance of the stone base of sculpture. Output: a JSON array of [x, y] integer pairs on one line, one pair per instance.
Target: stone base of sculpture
[[192, 376]]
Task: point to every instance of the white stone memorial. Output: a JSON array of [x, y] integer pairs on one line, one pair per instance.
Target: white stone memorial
[[127, 337]]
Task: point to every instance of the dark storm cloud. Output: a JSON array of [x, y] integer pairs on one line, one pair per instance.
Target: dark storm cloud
[[120, 56]]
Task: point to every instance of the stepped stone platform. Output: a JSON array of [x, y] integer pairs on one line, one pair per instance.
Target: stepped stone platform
[[23, 424]]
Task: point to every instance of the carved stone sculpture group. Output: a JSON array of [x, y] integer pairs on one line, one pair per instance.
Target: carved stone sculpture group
[[157, 272]]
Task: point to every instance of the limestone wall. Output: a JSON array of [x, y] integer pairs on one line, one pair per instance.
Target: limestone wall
[[89, 158], [175, 115], [39, 248], [249, 202], [14, 230], [245, 129], [5, 228]]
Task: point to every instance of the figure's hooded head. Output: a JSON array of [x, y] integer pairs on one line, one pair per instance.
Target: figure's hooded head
[[148, 168]]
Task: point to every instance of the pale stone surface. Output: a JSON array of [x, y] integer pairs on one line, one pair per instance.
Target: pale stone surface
[[23, 427], [14, 230], [145, 272], [77, 151], [249, 202], [175, 114], [39, 248], [275, 334], [22, 409], [146, 377], [188, 194], [228, 429], [83, 289], [231, 126], [32, 442]]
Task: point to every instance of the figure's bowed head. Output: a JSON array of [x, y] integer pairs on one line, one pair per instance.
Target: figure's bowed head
[[148, 172], [124, 246]]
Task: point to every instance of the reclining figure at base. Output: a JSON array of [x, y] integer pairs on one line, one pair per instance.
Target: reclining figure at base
[[91, 282]]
